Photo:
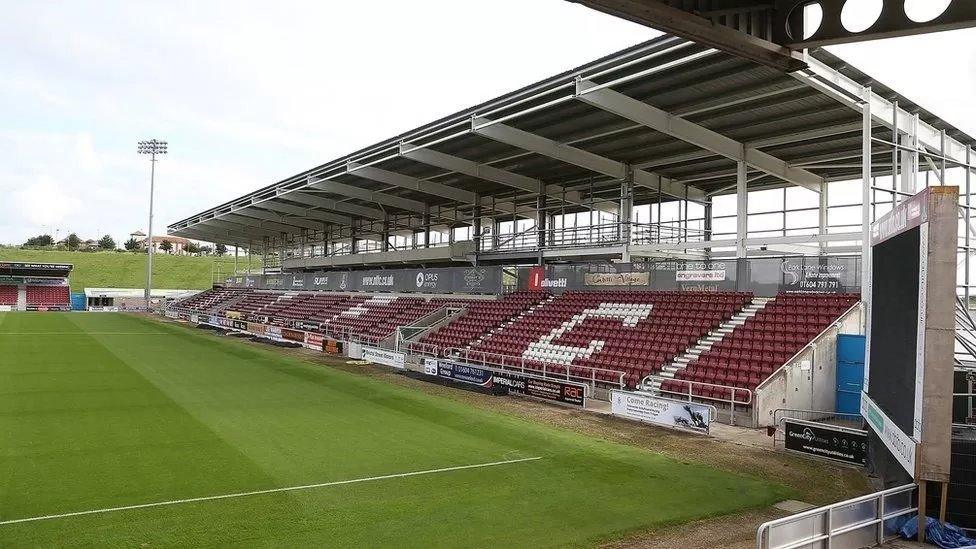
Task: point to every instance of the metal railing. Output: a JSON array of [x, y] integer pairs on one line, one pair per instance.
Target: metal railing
[[733, 399], [420, 348], [857, 522], [538, 368], [849, 421], [604, 234]]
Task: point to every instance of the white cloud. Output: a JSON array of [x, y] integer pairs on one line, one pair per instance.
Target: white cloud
[[44, 203]]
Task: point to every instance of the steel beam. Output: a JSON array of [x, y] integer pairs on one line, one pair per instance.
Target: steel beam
[[690, 132], [471, 168], [578, 157], [249, 230], [263, 224], [334, 205], [297, 223], [405, 181], [664, 17], [359, 193], [303, 212]]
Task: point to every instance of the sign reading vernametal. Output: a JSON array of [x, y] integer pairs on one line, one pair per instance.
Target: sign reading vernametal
[[827, 441], [382, 356], [678, 414]]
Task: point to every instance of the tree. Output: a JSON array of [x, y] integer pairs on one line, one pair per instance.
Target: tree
[[221, 249], [132, 244], [166, 246], [192, 247], [73, 241], [106, 243], [40, 240], [206, 250]]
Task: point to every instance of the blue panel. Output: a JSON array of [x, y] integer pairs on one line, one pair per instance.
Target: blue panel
[[78, 301], [850, 348], [850, 372]]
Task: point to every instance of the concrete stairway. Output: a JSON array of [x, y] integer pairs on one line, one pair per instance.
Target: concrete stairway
[[705, 344], [21, 298], [512, 320]]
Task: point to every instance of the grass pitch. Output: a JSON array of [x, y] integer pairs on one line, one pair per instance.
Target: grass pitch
[[105, 410]]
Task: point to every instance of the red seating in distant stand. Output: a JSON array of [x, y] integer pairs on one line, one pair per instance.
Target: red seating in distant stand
[[8, 295], [756, 349], [48, 296]]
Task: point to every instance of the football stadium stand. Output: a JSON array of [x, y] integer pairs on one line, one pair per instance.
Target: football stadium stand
[[711, 342], [750, 352], [8, 295], [636, 332], [34, 286], [48, 296]]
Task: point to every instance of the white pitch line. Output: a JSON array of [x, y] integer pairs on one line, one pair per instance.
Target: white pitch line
[[268, 491]]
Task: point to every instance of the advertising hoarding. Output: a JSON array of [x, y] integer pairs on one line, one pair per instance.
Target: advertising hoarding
[[383, 356], [677, 414], [826, 441]]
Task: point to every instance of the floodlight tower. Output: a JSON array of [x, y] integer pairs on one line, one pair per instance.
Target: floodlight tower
[[151, 147]]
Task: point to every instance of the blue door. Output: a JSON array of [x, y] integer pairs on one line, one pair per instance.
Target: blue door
[[850, 372]]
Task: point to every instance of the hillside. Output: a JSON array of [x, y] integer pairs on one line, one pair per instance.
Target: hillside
[[128, 270]]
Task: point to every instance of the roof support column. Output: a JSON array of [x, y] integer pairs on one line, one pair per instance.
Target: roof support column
[[822, 220], [476, 225], [866, 199], [540, 224], [707, 228], [385, 245], [426, 225], [626, 213], [741, 209]]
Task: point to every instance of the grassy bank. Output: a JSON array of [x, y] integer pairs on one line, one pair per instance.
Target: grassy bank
[[128, 270]]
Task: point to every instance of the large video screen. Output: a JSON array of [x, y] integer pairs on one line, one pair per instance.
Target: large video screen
[[894, 327]]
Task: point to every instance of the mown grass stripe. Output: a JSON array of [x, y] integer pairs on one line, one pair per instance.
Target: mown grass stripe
[[268, 491]]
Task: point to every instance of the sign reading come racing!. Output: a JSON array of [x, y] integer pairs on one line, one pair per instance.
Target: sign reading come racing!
[[678, 414]]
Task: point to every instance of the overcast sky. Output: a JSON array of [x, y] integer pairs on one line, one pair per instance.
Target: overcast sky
[[249, 93]]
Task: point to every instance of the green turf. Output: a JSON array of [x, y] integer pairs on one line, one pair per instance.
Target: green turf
[[128, 270], [104, 410]]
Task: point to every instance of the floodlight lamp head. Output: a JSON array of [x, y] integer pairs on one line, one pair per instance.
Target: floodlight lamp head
[[152, 146]]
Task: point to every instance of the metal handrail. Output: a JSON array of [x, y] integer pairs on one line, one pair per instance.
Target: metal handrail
[[765, 530], [780, 415], [733, 391], [549, 369], [421, 348], [812, 343]]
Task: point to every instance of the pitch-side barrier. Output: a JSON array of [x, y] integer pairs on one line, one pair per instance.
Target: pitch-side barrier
[[860, 522], [612, 379], [737, 396]]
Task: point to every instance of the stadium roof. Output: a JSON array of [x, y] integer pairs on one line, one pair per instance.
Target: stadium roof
[[673, 115]]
